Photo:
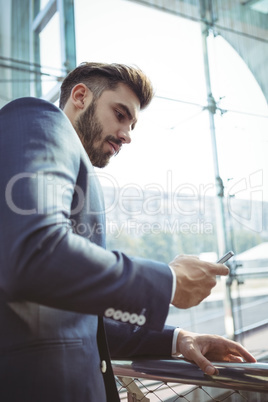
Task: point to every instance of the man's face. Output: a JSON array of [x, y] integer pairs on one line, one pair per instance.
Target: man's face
[[106, 124]]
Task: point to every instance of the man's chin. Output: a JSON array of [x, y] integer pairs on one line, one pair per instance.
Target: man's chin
[[100, 162], [101, 166]]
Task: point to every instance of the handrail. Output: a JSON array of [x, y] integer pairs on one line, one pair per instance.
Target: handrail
[[250, 273], [235, 376]]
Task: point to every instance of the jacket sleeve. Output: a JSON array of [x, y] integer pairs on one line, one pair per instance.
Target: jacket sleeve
[[126, 341], [41, 259]]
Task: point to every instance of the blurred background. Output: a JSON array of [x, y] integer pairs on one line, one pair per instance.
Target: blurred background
[[195, 178]]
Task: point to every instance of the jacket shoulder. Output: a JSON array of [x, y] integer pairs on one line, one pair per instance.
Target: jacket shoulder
[[27, 102]]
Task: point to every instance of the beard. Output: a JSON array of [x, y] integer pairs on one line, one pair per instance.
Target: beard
[[89, 130]]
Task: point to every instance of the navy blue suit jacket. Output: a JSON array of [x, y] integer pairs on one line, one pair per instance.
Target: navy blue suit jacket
[[56, 284]]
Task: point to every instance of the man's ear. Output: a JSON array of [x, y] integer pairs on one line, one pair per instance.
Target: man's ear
[[81, 96]]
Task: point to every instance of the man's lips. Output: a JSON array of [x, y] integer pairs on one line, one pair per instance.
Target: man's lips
[[115, 147]]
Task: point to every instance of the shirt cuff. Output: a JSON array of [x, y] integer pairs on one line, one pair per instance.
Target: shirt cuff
[[174, 342], [174, 284]]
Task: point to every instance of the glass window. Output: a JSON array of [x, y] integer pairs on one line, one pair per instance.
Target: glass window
[[171, 149], [50, 53], [43, 3]]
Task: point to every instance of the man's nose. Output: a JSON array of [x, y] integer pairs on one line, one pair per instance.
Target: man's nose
[[124, 136]]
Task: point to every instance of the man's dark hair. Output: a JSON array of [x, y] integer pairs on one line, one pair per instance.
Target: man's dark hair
[[100, 76]]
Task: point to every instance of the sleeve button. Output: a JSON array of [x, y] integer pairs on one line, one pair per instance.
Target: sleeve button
[[133, 318], [117, 315], [125, 317], [109, 312], [141, 320]]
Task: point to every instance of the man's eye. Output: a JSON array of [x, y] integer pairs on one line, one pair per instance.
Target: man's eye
[[119, 115]]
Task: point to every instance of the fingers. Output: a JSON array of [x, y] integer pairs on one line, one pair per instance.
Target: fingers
[[234, 359], [202, 362], [194, 279], [213, 268], [223, 270], [189, 346], [248, 357], [205, 365], [208, 368], [219, 269], [239, 350], [202, 349]]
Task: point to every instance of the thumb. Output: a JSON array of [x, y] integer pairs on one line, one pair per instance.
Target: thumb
[[205, 365]]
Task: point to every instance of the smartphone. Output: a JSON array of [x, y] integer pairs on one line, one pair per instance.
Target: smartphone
[[226, 257]]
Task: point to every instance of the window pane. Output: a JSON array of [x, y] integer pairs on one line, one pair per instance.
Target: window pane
[[50, 53]]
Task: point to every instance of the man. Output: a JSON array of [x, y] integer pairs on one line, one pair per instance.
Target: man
[[56, 285]]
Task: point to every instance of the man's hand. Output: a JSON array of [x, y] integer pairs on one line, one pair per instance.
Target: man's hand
[[203, 348], [195, 279]]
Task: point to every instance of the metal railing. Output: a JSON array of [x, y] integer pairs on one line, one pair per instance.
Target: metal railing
[[175, 379], [240, 275]]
